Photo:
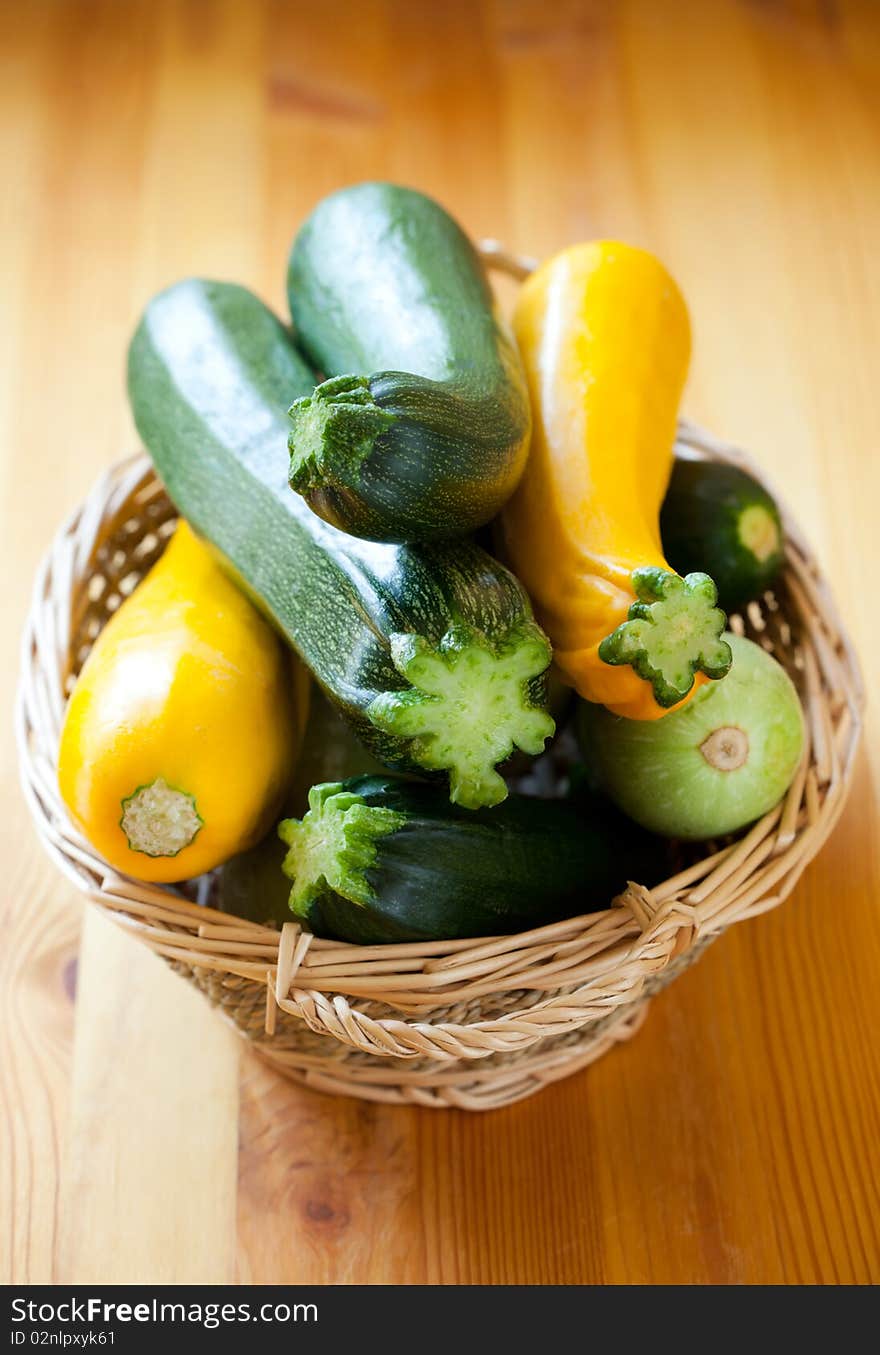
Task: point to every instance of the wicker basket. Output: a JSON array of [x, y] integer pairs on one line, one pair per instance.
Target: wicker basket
[[477, 1023]]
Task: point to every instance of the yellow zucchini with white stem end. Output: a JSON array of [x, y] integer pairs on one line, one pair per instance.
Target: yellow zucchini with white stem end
[[181, 733]]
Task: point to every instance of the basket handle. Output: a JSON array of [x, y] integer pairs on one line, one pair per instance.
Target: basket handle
[[665, 933]]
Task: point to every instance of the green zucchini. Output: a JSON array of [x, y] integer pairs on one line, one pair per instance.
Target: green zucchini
[[379, 859], [718, 518], [430, 652], [422, 430]]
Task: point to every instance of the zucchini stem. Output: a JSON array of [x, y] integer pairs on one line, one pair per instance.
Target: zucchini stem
[[672, 632], [334, 845], [334, 431], [726, 749], [159, 820], [470, 703], [758, 530]]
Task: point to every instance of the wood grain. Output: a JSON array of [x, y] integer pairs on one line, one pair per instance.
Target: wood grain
[[148, 1181], [737, 1139]]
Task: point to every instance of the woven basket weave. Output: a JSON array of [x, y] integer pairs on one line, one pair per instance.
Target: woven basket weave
[[476, 1023]]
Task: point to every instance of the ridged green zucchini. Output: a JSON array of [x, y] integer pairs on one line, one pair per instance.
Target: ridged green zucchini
[[431, 652], [422, 430], [718, 518], [379, 859]]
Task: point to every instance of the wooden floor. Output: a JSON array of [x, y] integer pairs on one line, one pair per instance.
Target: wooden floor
[[737, 1139]]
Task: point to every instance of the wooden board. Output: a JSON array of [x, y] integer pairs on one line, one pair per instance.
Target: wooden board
[[737, 1139]]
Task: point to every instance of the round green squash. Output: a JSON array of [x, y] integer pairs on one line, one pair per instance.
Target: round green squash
[[712, 766]]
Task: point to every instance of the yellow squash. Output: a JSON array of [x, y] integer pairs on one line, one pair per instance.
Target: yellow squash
[[605, 339], [180, 735]]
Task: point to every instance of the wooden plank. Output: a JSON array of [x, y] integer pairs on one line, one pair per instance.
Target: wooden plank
[[39, 914], [329, 1188], [149, 1181], [39, 918]]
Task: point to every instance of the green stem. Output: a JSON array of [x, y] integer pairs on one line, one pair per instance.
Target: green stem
[[469, 704], [760, 532], [672, 633], [334, 431], [334, 845]]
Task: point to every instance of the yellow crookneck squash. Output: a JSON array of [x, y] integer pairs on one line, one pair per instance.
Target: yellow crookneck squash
[[180, 735], [604, 336]]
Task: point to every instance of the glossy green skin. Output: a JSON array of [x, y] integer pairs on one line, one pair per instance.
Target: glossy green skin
[[451, 873], [211, 373], [383, 284], [699, 526]]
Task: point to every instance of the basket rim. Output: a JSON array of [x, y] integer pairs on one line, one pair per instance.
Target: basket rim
[[577, 970]]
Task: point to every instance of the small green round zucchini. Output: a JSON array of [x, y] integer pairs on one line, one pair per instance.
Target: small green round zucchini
[[718, 518], [422, 429], [380, 859], [711, 767]]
